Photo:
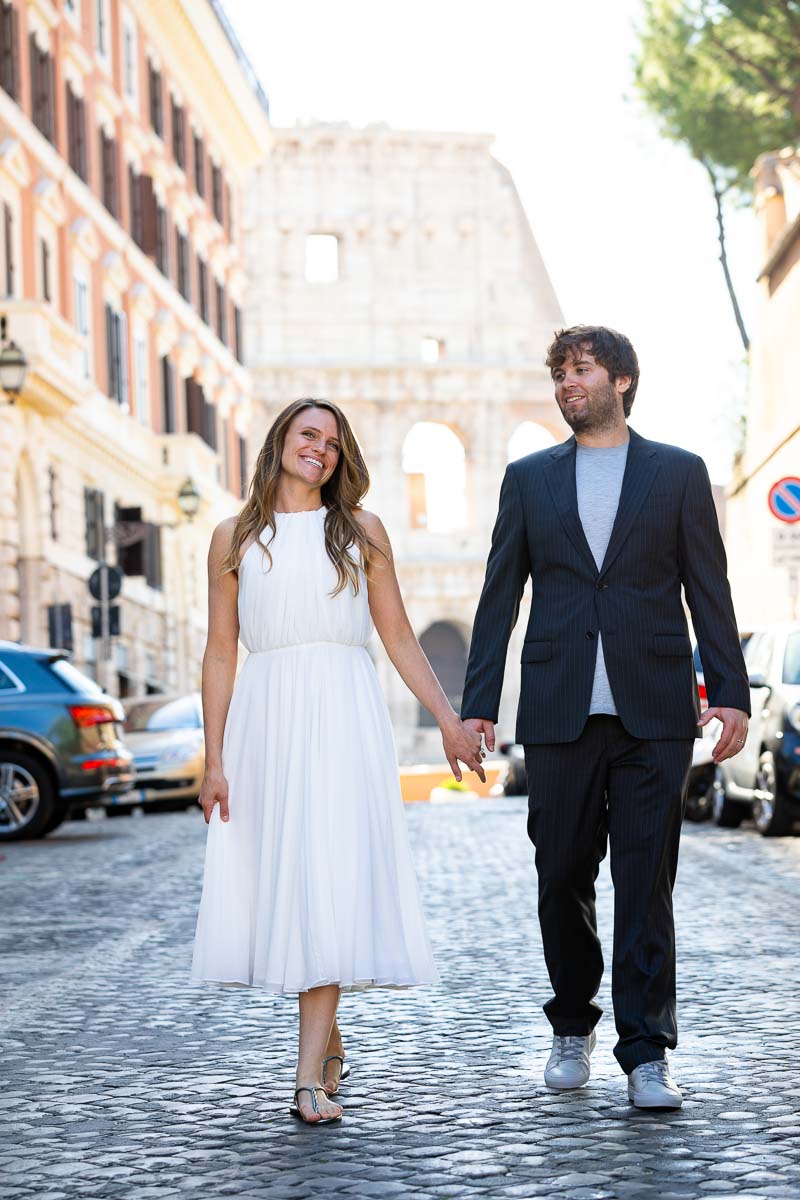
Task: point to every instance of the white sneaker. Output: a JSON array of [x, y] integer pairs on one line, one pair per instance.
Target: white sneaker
[[568, 1064], [652, 1086]]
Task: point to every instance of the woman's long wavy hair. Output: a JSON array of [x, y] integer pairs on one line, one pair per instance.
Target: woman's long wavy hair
[[341, 494]]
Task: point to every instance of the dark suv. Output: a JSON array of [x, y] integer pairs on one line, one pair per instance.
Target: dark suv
[[60, 747]]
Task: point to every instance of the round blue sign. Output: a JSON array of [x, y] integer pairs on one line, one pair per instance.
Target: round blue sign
[[784, 499]]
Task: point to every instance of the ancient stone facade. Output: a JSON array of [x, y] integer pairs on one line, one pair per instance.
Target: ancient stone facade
[[396, 274]]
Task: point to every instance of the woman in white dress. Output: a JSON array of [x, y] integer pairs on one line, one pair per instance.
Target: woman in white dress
[[309, 887]]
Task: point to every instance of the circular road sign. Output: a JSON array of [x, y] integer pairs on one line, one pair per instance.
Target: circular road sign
[[114, 582], [784, 499]]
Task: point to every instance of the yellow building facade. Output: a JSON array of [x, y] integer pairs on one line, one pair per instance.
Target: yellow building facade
[[128, 129], [765, 551]]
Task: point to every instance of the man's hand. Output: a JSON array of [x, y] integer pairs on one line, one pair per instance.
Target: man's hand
[[481, 727], [734, 731], [463, 743]]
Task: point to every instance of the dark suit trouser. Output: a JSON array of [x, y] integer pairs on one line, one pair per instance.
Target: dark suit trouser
[[609, 786]]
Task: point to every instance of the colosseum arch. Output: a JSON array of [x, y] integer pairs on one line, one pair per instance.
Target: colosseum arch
[[528, 437], [435, 467], [446, 646]]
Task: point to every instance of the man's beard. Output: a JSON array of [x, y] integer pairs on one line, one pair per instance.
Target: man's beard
[[600, 413]]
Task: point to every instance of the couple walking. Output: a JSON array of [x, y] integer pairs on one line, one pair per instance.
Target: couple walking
[[309, 888]]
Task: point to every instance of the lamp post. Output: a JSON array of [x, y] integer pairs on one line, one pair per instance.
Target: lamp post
[[13, 365]]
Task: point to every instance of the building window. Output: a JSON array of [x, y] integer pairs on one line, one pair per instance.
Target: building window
[[8, 248], [202, 289], [322, 258], [42, 91], [101, 27], [52, 497], [226, 457], [167, 396], [76, 134], [162, 240], [141, 378], [230, 225], [94, 512], [431, 350], [117, 356], [135, 205], [178, 134], [129, 59], [108, 173], [238, 340], [44, 269], [9, 50], [183, 265], [201, 417], [82, 320], [221, 313], [216, 192], [199, 165], [243, 480], [156, 101]]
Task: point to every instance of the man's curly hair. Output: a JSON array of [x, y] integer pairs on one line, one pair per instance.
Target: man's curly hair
[[611, 349]]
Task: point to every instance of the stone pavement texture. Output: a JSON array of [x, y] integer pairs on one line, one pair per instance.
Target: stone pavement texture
[[122, 1079]]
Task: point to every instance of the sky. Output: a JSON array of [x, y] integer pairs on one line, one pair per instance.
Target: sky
[[624, 219]]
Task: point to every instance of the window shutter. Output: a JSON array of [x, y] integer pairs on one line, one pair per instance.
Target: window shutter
[[152, 555], [149, 217], [168, 395], [210, 423], [8, 240], [131, 557], [9, 63], [111, 353], [121, 323], [59, 626], [195, 415], [243, 480]]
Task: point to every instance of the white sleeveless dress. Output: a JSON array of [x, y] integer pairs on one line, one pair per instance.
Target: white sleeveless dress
[[310, 881]]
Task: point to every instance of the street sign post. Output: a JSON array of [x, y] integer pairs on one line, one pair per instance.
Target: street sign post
[[784, 503]]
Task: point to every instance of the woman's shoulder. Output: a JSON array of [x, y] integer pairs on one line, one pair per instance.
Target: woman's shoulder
[[370, 522]]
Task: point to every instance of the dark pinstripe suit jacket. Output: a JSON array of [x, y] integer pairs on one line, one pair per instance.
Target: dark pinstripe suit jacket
[[665, 535]]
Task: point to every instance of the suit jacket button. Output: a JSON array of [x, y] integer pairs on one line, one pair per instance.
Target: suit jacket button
[[589, 634]]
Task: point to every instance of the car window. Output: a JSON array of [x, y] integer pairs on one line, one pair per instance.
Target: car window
[[158, 714], [759, 654], [73, 680], [6, 682], [791, 659]]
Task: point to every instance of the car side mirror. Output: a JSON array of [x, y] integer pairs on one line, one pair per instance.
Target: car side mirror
[[757, 680]]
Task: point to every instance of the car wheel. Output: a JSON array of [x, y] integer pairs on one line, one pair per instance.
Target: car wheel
[[28, 803], [770, 812], [726, 813], [700, 799]]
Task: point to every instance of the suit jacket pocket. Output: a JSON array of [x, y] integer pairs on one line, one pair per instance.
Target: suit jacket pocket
[[670, 644], [536, 651]]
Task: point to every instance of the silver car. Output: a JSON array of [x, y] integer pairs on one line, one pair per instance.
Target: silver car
[[165, 736]]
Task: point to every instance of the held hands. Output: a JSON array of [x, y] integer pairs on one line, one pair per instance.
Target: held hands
[[734, 731], [214, 790], [463, 742]]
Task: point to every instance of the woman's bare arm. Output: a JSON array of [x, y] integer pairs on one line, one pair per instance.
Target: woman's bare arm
[[219, 667], [394, 629]]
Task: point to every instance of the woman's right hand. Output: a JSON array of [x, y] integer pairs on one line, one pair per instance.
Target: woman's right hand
[[214, 790]]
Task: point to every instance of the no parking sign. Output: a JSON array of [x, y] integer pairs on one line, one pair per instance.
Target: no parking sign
[[784, 499]]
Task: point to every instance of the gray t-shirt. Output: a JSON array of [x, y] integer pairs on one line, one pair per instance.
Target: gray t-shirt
[[598, 477]]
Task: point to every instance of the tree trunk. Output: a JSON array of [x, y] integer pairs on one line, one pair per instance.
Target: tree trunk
[[723, 255]]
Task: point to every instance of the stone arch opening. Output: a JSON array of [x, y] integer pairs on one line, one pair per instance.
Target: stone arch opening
[[446, 649], [528, 437], [434, 462]]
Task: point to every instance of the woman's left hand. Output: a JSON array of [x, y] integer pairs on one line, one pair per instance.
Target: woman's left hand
[[464, 744]]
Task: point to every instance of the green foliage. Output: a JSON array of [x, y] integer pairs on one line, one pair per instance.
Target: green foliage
[[723, 78], [452, 785]]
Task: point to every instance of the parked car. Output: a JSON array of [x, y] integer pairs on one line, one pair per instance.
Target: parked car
[[763, 780], [165, 734], [60, 742], [701, 795]]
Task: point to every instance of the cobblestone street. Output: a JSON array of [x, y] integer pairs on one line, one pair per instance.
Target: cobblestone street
[[122, 1079]]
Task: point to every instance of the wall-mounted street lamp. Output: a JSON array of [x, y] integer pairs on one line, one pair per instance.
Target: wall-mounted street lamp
[[189, 499], [13, 365]]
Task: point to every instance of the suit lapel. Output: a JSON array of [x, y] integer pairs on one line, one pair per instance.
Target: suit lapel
[[560, 476], [641, 468]]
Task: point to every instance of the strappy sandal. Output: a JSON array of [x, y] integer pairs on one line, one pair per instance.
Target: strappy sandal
[[295, 1110], [343, 1074]]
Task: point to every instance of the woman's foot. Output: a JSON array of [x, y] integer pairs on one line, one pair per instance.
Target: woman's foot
[[325, 1109], [333, 1062]]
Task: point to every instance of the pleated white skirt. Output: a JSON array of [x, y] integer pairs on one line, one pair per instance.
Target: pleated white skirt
[[311, 880]]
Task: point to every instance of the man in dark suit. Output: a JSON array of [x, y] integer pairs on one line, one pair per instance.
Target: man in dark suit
[[609, 527]]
